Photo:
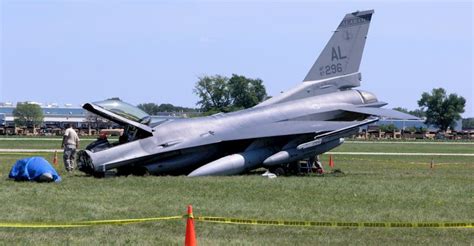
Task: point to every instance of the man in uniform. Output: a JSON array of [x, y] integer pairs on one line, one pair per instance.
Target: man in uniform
[[70, 144]]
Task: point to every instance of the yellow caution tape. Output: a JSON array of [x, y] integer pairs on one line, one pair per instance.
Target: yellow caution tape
[[128, 221], [223, 220], [37, 225], [84, 223]]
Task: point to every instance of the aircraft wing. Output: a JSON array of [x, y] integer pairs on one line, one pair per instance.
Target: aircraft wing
[[287, 128], [275, 129], [383, 112], [291, 127], [342, 132]]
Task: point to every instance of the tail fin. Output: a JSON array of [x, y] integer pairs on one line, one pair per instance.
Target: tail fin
[[343, 52]]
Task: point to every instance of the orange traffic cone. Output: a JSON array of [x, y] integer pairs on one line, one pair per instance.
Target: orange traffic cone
[[331, 162], [55, 158], [190, 234]]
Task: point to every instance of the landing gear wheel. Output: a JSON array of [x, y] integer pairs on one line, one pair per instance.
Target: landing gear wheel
[[124, 171], [279, 171], [98, 175], [140, 171], [295, 168]]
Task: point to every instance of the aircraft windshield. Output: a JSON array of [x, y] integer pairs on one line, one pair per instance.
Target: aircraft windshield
[[125, 110]]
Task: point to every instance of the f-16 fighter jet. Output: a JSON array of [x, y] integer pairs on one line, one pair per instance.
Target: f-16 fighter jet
[[306, 121]]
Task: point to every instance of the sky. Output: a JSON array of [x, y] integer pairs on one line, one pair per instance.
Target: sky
[[143, 51]]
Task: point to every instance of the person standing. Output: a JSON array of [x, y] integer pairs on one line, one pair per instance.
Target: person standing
[[70, 144]]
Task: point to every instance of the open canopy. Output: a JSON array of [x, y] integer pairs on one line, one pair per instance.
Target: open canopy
[[121, 113]]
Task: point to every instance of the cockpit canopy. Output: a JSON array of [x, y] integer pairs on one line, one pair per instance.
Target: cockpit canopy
[[134, 121], [122, 113], [125, 110]]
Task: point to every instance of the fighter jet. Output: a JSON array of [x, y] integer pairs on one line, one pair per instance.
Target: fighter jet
[[308, 120]]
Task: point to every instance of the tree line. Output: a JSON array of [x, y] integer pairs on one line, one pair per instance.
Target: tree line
[[438, 108], [218, 94], [221, 94]]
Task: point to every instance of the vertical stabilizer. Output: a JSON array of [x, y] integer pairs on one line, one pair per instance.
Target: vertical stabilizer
[[343, 52]]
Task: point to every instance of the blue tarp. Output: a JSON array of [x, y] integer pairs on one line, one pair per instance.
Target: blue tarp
[[30, 169]]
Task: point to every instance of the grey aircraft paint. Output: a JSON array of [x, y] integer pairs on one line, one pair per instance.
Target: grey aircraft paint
[[306, 121]]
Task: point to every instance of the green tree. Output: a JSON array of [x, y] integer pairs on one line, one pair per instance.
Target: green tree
[[442, 110], [418, 113], [221, 94], [388, 128], [246, 92], [214, 93], [26, 114], [468, 123], [149, 108], [154, 109], [168, 107]]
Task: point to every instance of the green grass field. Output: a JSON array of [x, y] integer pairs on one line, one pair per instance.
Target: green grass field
[[373, 189]]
